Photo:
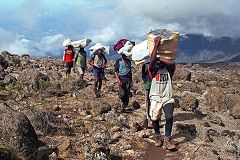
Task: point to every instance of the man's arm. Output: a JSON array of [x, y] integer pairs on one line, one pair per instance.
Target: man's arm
[[90, 61], [157, 41], [116, 70], [105, 60]]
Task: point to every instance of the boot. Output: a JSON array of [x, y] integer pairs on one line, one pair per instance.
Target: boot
[[168, 144], [158, 141]]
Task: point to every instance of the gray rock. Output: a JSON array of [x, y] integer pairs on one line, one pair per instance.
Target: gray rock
[[45, 122], [215, 119], [189, 129], [188, 102], [17, 133]]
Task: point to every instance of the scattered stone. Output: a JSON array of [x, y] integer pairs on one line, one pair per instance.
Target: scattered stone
[[136, 105], [215, 119], [189, 129], [228, 133], [56, 108], [116, 137], [235, 111], [213, 132]]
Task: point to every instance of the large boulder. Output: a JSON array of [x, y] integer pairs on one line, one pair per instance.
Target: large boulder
[[3, 62], [74, 85], [46, 123], [35, 79], [187, 101], [182, 74], [217, 100], [17, 133]]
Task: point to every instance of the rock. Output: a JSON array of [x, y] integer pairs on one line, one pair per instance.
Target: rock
[[6, 154], [74, 85], [10, 80], [232, 147], [182, 74], [136, 127], [228, 133], [216, 100], [205, 124], [189, 129], [99, 147], [3, 62], [64, 145], [235, 111], [213, 132], [116, 137], [17, 133], [115, 129], [45, 122], [215, 119], [105, 108], [56, 108], [188, 102], [35, 79], [143, 134], [136, 105], [207, 138]]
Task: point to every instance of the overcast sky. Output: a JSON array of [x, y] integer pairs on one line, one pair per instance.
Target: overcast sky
[[38, 27]]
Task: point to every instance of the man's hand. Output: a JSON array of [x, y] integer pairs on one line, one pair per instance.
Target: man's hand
[[119, 83], [157, 40]]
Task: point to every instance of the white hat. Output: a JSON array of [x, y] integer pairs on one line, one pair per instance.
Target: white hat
[[98, 46]]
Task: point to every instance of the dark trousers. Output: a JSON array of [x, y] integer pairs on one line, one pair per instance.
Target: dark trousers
[[168, 111], [124, 90]]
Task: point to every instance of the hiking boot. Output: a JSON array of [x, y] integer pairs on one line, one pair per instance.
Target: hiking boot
[[158, 141], [168, 144]]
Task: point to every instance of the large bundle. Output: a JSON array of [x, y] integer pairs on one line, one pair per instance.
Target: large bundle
[[67, 42], [140, 52], [81, 43], [97, 46], [169, 43], [124, 46]]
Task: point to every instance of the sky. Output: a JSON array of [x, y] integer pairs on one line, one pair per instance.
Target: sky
[[39, 27]]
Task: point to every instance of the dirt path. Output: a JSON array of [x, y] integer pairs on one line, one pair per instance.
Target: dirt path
[[156, 153]]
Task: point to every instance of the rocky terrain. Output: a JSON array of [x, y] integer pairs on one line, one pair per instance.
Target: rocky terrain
[[45, 115]]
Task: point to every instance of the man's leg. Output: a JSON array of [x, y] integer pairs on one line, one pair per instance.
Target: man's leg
[[155, 123], [96, 81], [168, 111]]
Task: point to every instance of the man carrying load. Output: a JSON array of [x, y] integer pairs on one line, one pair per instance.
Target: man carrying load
[[161, 96]]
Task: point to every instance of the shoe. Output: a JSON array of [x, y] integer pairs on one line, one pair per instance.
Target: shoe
[[168, 144], [158, 141]]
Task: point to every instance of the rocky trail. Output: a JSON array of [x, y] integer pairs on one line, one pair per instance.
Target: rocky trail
[[44, 115]]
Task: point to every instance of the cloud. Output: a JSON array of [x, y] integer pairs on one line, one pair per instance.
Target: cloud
[[107, 21], [27, 13]]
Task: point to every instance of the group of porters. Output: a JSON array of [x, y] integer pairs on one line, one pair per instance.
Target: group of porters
[[156, 55]]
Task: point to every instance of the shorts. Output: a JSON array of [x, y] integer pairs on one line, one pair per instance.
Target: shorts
[[69, 65], [155, 110], [98, 72], [81, 70]]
